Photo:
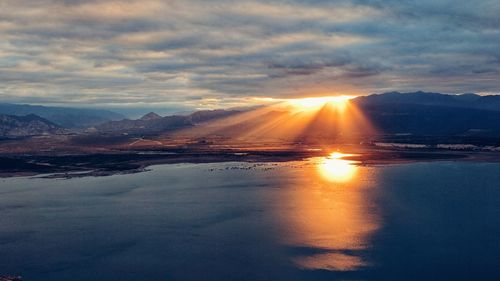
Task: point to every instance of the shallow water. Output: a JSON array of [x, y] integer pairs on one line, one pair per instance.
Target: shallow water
[[322, 219]]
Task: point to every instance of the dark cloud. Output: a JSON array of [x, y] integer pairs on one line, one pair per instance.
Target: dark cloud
[[183, 52]]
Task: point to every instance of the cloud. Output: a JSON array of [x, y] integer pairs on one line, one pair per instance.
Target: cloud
[[225, 52]]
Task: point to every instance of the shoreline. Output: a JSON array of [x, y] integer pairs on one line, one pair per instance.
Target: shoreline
[[126, 162]]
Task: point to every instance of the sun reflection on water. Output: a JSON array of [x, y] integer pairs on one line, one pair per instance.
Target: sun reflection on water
[[335, 169], [330, 212]]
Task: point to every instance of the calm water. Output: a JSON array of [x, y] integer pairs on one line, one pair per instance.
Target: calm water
[[322, 219]]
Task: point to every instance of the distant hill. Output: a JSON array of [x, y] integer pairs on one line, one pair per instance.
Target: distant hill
[[62, 116], [432, 114], [152, 123], [29, 125]]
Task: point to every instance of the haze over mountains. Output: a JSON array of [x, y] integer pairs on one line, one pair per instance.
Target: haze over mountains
[[394, 113], [154, 123], [63, 116]]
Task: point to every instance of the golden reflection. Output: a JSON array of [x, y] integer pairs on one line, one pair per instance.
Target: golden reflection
[[335, 169], [328, 209], [330, 261]]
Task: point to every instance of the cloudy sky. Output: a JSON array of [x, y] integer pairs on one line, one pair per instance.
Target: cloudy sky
[[221, 53]]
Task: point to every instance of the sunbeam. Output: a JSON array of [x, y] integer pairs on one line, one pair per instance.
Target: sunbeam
[[315, 120]]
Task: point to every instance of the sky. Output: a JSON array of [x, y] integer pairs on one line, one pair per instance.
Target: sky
[[220, 53]]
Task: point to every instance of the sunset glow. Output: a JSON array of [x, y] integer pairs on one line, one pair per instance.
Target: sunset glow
[[308, 119], [338, 102], [249, 140]]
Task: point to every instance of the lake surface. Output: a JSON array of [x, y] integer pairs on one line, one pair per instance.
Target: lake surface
[[321, 219]]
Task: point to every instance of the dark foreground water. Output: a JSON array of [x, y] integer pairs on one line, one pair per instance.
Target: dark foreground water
[[315, 220]]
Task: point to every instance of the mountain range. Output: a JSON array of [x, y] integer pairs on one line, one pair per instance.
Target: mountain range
[[393, 113], [474, 101], [154, 123], [433, 114], [63, 116]]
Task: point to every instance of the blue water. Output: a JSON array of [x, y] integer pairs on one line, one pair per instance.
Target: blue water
[[237, 221]]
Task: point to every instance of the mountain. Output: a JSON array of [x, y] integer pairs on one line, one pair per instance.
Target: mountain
[[152, 123], [491, 102], [29, 125], [62, 116], [432, 114], [150, 116]]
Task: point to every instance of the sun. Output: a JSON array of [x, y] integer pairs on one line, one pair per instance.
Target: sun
[[337, 155], [313, 103]]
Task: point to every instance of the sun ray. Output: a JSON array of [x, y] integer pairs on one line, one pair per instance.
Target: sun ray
[[312, 120]]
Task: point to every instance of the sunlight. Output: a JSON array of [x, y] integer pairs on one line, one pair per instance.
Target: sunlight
[[337, 155], [338, 102], [317, 120], [335, 169]]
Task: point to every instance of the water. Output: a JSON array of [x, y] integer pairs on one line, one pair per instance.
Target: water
[[322, 219]]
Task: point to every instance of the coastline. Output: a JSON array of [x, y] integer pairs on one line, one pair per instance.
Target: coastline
[[125, 162]]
